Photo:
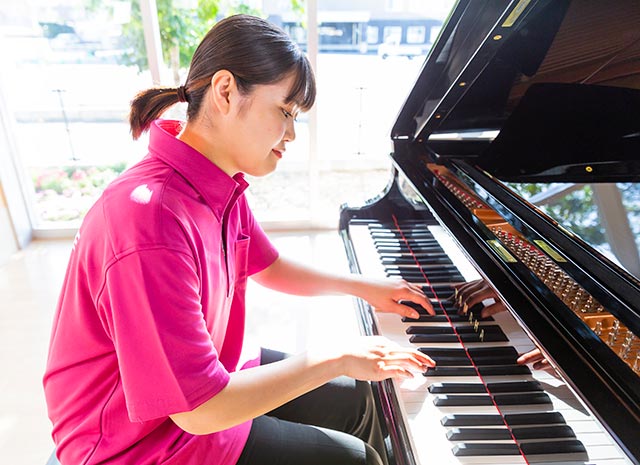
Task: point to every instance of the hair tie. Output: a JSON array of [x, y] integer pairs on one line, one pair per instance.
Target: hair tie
[[182, 94]]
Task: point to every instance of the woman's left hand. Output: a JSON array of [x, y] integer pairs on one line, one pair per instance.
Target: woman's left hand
[[385, 295]]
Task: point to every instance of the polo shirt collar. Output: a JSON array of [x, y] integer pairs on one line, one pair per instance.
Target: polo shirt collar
[[217, 188]]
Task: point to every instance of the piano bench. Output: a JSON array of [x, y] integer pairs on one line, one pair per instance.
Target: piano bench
[[53, 459]]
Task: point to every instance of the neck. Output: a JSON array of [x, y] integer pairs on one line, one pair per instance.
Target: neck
[[198, 138]]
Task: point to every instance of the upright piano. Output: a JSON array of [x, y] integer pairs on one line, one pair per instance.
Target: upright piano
[[512, 92]]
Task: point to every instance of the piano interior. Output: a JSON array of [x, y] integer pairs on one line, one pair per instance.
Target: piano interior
[[512, 92]]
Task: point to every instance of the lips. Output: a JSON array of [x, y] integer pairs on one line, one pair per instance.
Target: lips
[[278, 153]]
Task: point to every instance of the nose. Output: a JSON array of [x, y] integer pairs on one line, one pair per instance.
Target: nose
[[290, 131]]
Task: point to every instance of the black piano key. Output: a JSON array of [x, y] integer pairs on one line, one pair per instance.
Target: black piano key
[[511, 419], [454, 338], [484, 449], [554, 447], [461, 400], [544, 432], [436, 319], [492, 352], [488, 356], [470, 419], [409, 244], [445, 400], [387, 250], [515, 386], [402, 236], [505, 370], [543, 418], [439, 307], [440, 317], [442, 291], [450, 330], [423, 277], [464, 332], [479, 388], [478, 434], [527, 448], [497, 434], [409, 260], [416, 273], [457, 388], [529, 398]]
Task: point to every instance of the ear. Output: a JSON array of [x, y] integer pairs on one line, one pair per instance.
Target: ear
[[223, 86]]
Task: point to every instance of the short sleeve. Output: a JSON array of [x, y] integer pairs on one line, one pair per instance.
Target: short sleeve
[[262, 252], [150, 306]]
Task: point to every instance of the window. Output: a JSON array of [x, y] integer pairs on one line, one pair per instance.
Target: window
[[372, 34], [392, 34], [69, 94], [606, 216], [76, 65], [416, 34]]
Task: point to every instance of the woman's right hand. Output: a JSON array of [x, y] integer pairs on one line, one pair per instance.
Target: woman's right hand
[[374, 358]]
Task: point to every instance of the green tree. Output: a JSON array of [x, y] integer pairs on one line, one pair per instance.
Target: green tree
[[181, 29]]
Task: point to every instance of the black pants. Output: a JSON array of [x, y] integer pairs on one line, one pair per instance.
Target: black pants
[[335, 424]]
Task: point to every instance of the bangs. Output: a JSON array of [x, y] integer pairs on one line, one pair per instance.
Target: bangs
[[303, 90]]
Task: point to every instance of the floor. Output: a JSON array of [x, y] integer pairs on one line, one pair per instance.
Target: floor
[[29, 286]]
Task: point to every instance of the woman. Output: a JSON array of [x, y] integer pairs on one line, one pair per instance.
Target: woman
[[143, 363]]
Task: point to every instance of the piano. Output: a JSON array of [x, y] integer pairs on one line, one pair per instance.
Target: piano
[[512, 92]]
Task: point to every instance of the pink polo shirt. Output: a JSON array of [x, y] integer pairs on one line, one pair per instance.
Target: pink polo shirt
[[150, 320]]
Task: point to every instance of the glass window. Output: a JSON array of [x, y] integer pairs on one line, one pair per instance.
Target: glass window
[[416, 34], [372, 34], [587, 210], [392, 34], [69, 92], [76, 65]]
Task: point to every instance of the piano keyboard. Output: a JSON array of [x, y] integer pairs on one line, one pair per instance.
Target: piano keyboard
[[477, 405]]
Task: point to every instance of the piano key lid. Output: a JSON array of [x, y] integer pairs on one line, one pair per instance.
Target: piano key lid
[[532, 91]]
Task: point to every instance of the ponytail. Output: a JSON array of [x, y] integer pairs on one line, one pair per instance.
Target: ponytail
[[149, 105]]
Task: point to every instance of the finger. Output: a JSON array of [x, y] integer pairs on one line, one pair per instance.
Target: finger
[[467, 291], [465, 284], [414, 357], [417, 297], [459, 289], [391, 371], [542, 365], [492, 309], [402, 310], [529, 357], [473, 299]]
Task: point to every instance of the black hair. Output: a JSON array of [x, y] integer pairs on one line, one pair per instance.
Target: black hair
[[254, 50]]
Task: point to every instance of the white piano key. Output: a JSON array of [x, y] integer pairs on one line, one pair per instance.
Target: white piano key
[[427, 436]]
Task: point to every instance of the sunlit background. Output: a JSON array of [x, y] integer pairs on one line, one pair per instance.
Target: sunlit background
[[71, 67]]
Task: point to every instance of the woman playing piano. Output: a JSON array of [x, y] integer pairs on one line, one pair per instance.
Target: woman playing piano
[[144, 354]]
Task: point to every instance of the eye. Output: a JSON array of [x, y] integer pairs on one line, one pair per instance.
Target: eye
[[288, 114]]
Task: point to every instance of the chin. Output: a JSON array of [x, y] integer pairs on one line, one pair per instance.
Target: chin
[[259, 173]]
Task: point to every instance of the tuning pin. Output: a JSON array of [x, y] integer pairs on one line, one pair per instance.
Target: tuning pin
[[598, 329], [636, 365], [611, 338], [616, 327]]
